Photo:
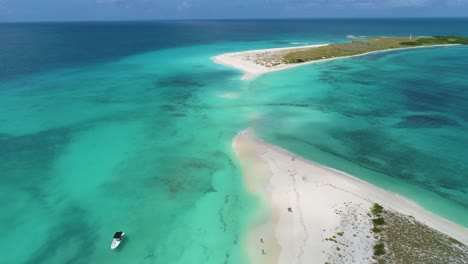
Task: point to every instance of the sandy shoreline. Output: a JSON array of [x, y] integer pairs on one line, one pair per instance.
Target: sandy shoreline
[[257, 62], [323, 202], [246, 60]]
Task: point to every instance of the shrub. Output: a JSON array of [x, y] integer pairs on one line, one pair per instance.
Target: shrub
[[410, 43], [454, 241], [376, 208], [378, 221], [379, 249]]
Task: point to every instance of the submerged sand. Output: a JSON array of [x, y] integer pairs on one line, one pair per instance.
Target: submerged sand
[[313, 206]]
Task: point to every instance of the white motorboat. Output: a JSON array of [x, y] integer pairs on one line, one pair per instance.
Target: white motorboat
[[117, 239]]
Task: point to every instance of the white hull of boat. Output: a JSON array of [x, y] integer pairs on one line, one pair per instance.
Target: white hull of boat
[[116, 242]]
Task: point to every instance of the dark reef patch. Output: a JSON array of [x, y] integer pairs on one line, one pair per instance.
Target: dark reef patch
[[37, 149], [4, 136], [181, 180], [423, 95], [340, 68], [426, 121], [178, 81], [71, 230]]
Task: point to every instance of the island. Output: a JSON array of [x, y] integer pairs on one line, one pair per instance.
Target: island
[[317, 214], [256, 62]]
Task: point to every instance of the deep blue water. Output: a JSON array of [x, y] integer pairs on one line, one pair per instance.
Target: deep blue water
[[32, 47]]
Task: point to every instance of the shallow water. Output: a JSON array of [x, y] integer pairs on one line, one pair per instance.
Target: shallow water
[[128, 145], [397, 119], [134, 131]]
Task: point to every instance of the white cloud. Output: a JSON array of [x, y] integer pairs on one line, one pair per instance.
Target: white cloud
[[384, 3], [457, 2], [355, 4], [2, 4], [183, 6], [378, 3], [112, 2], [407, 3]]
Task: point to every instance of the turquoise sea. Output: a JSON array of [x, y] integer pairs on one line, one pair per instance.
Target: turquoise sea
[[128, 125]]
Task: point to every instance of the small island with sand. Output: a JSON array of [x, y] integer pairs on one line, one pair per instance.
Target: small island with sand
[[320, 215], [256, 62]]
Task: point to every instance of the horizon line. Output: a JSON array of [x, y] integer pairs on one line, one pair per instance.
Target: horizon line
[[223, 19]]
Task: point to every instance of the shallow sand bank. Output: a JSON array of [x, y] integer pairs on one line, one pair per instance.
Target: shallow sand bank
[[324, 202]]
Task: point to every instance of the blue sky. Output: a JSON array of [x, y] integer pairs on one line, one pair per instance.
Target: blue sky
[[65, 10]]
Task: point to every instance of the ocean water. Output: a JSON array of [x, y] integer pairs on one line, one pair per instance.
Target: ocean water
[[128, 126], [397, 119]]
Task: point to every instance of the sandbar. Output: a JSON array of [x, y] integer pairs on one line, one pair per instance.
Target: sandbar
[[310, 203]]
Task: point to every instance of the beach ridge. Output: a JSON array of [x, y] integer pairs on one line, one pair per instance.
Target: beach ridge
[[311, 205]]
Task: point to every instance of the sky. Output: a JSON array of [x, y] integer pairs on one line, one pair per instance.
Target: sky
[[79, 10]]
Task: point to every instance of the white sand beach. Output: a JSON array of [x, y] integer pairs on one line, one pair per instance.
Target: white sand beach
[[257, 62], [310, 204]]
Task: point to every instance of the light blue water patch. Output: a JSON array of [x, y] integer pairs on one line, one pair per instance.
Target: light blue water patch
[[142, 145]]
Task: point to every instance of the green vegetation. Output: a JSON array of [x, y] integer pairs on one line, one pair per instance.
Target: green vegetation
[[378, 221], [454, 241], [376, 209], [379, 249], [340, 233], [402, 239], [437, 40], [361, 47]]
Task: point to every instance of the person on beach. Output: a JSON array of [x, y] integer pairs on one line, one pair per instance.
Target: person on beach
[[261, 240]]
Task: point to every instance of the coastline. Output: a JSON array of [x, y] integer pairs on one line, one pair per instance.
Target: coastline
[[323, 201], [241, 60], [244, 60]]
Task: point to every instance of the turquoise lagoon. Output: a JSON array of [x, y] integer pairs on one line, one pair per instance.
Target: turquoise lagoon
[[397, 119], [128, 145], [135, 134]]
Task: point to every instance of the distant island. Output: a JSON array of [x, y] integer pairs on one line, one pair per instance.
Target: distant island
[[369, 45], [257, 62]]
